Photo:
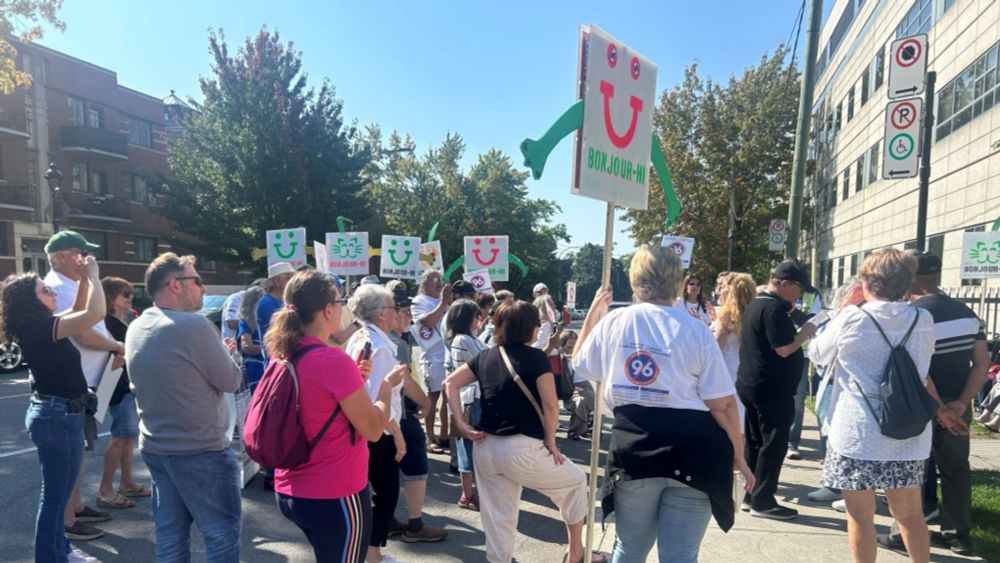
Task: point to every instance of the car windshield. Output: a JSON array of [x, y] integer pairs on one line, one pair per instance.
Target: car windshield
[[212, 303]]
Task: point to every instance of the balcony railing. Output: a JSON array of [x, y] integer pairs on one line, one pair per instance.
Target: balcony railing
[[84, 205], [21, 196], [95, 142]]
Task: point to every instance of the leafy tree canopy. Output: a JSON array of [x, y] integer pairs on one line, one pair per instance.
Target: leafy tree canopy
[[13, 16]]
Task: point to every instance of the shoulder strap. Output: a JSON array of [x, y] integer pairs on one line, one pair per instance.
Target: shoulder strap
[[879, 327], [915, 319], [520, 383], [295, 377]]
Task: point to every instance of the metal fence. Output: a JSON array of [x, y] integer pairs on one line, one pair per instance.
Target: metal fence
[[972, 296]]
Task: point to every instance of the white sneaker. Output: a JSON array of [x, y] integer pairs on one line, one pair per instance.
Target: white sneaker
[[823, 494], [839, 505], [793, 453], [389, 559], [77, 556]]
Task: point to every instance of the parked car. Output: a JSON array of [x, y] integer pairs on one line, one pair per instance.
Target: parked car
[[211, 307], [11, 357]]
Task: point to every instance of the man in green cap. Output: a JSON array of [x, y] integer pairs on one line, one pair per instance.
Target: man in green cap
[[65, 251]]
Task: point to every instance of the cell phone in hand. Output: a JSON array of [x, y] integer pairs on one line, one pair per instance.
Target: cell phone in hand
[[366, 354]]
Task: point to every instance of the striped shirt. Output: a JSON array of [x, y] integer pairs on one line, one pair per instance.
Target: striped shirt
[[956, 329]]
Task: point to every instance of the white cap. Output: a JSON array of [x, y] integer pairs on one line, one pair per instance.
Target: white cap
[[539, 287], [279, 268]]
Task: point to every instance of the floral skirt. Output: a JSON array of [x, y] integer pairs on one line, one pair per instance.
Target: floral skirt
[[851, 474]]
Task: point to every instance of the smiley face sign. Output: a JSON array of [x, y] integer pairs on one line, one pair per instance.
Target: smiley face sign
[[287, 245], [613, 147], [347, 254], [488, 252], [400, 257]]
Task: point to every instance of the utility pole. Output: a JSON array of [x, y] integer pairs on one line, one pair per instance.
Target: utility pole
[[802, 130]]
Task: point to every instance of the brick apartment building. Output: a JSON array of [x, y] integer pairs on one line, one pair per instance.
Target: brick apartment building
[[109, 142]]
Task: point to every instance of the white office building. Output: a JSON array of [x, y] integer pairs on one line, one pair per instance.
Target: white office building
[[855, 210]]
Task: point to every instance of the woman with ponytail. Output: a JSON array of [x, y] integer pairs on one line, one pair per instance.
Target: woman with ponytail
[[335, 514]]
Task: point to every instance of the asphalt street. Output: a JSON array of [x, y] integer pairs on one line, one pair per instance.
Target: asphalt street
[[266, 535]]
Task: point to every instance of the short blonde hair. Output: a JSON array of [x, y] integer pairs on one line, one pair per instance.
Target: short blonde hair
[[887, 273], [655, 273]]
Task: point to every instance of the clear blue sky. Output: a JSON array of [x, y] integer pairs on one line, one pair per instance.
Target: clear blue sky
[[493, 72]]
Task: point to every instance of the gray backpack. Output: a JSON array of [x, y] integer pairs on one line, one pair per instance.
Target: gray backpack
[[905, 406]]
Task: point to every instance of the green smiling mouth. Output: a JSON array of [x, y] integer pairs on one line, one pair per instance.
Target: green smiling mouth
[[392, 256], [277, 248]]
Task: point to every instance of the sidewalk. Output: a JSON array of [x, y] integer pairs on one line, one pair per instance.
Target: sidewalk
[[819, 534]]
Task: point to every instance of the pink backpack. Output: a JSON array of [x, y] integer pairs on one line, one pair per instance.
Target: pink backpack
[[272, 432]]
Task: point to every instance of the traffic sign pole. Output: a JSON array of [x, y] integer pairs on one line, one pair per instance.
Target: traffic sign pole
[[925, 159]]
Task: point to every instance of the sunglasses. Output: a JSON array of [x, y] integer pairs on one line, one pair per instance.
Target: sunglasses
[[196, 279], [694, 284], [127, 294]]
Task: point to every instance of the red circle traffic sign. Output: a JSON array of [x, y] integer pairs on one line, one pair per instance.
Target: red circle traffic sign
[[903, 115], [905, 48], [778, 225]]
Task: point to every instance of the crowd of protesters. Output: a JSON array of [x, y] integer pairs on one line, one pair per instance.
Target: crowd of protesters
[[699, 395]]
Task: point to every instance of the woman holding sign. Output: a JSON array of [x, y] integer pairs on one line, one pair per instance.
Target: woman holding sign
[[676, 429]]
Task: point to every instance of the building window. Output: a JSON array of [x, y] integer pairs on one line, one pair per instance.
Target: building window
[[850, 104], [970, 94], [81, 177], [828, 280], [96, 117], [139, 133], [879, 68], [864, 87], [140, 190], [873, 163], [833, 193], [837, 121], [99, 182], [840, 271], [935, 245], [917, 20], [859, 174], [97, 238], [75, 111], [145, 249], [847, 183], [854, 264]]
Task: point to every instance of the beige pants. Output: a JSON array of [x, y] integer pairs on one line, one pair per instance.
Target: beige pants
[[505, 465]]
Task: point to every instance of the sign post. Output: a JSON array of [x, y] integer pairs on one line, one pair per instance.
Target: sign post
[[571, 294], [900, 153], [907, 67], [777, 234]]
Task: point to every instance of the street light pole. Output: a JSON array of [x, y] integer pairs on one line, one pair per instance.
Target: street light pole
[[54, 178]]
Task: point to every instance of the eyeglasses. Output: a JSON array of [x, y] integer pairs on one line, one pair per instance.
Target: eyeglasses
[[127, 294], [196, 279], [342, 301]]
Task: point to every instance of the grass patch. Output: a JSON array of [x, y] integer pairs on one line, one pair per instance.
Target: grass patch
[[978, 431], [811, 405], [986, 513]]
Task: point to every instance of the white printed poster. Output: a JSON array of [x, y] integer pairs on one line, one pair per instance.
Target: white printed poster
[[287, 245], [400, 257], [430, 256], [683, 246], [480, 279], [489, 252], [347, 254]]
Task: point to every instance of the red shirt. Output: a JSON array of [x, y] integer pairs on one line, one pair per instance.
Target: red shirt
[[336, 468]]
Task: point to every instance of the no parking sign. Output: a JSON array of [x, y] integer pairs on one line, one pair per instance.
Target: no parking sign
[[776, 235]]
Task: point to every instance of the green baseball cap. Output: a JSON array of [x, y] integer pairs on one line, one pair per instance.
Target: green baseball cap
[[66, 240]]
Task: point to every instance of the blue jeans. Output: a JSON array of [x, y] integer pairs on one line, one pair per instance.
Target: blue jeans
[[659, 510], [795, 433], [59, 438], [465, 463], [201, 488]]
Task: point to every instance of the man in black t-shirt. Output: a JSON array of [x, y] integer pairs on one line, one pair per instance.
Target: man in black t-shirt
[[770, 367], [958, 369]]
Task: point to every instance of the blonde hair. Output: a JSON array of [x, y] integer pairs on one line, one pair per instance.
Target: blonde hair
[[887, 273], [655, 273], [742, 290]]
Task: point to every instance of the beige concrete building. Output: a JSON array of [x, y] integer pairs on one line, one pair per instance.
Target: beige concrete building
[[856, 211]]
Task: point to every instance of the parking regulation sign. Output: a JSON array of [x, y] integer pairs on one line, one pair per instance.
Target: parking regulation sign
[[907, 66], [776, 235], [901, 141]]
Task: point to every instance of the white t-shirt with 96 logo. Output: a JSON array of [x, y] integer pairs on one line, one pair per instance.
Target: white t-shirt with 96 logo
[[655, 356]]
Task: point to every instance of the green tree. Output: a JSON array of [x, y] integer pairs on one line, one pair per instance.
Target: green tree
[[262, 151], [729, 148], [410, 193], [13, 15]]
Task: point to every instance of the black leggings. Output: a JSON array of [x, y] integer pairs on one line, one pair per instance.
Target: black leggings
[[383, 475], [338, 529]]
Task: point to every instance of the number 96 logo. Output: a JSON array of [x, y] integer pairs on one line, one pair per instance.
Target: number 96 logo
[[641, 368]]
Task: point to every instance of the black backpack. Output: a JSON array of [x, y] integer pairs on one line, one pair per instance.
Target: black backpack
[[905, 406]]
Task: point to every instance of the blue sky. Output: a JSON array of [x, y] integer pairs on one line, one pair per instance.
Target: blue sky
[[493, 72]]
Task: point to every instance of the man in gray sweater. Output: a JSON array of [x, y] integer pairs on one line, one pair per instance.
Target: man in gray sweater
[[179, 372]]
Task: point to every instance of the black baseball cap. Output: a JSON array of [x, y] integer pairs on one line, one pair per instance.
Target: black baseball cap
[[793, 271], [927, 264], [462, 287]]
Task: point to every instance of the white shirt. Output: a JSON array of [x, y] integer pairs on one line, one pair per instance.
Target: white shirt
[[231, 312], [92, 361], [421, 307], [383, 361], [463, 349], [655, 356], [693, 309], [861, 354]]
